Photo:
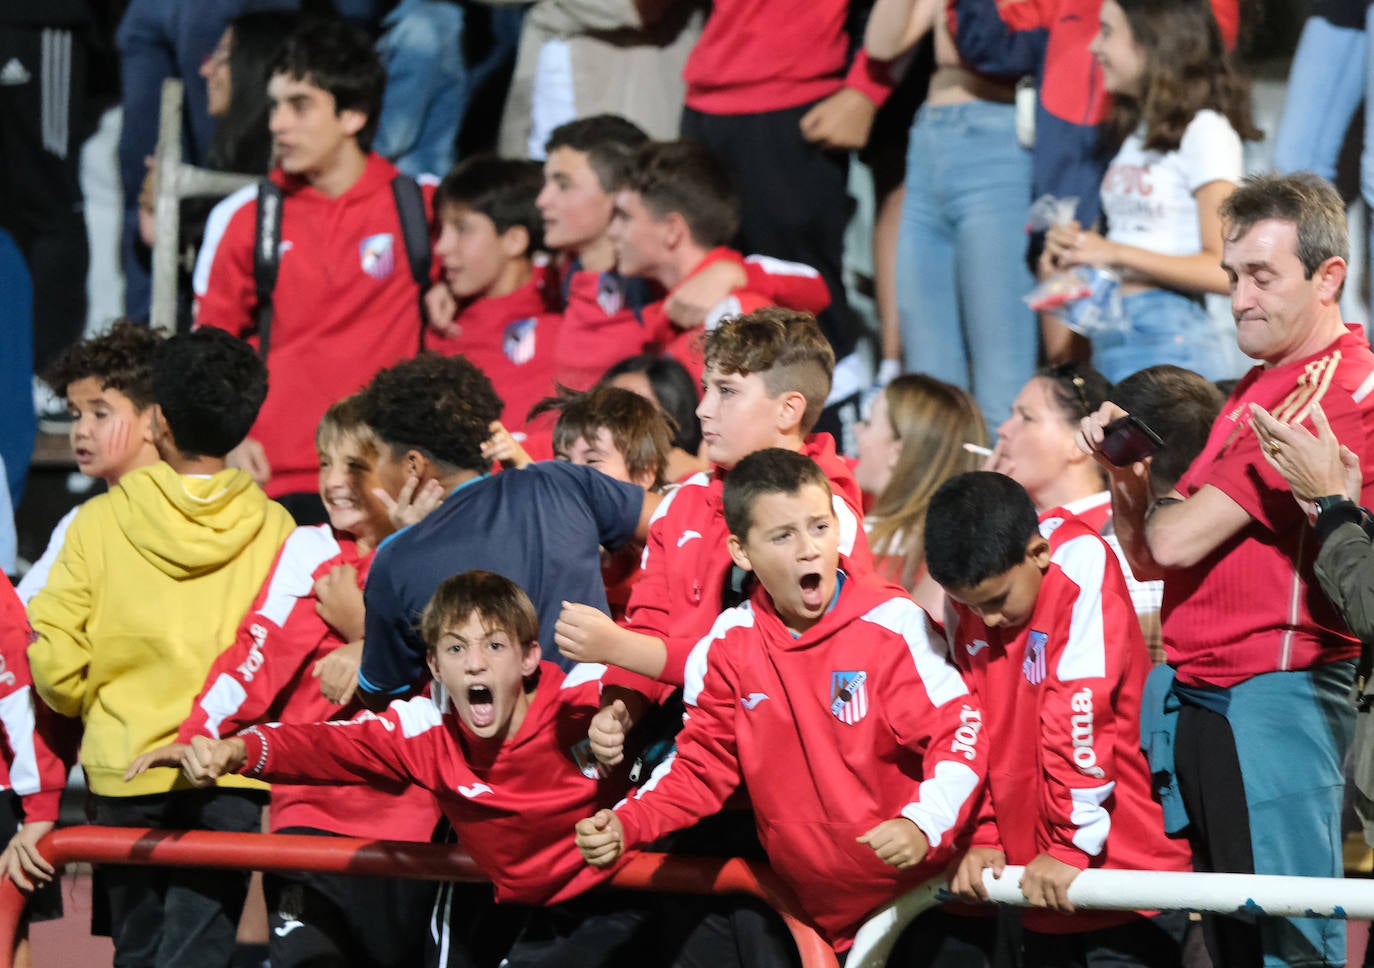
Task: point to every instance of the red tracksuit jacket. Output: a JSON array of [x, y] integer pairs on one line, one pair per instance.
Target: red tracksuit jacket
[[512, 339], [345, 304], [859, 720], [1061, 711], [686, 557], [266, 675], [29, 730], [514, 812]]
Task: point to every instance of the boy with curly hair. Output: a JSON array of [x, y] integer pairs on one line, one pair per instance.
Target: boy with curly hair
[[541, 527]]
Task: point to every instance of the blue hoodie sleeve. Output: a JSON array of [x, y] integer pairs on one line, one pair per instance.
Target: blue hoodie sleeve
[[988, 45]]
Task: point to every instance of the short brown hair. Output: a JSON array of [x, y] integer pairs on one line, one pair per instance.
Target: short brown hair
[[785, 347], [638, 429], [1307, 200], [498, 601], [684, 177], [344, 421], [772, 470]]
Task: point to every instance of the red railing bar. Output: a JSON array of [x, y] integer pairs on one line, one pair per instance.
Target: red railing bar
[[387, 858]]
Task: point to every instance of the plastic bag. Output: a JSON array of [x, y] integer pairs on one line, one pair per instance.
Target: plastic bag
[[1048, 211], [1087, 299]]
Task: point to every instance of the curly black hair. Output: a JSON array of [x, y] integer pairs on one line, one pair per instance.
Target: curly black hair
[[210, 386], [440, 406], [122, 360]]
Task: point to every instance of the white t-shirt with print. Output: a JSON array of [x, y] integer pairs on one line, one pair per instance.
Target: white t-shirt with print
[[1147, 196]]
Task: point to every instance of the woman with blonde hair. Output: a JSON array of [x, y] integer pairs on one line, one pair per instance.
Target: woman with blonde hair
[[912, 442]]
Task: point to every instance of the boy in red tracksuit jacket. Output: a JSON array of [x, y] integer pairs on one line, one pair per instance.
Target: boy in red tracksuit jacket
[[502, 744], [608, 312], [767, 378], [345, 303], [1042, 626], [828, 695], [674, 218], [32, 774], [496, 308], [272, 672]]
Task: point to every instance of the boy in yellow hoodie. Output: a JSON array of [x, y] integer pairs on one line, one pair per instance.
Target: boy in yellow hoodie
[[148, 589]]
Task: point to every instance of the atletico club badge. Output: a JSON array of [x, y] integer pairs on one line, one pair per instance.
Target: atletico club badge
[[849, 696], [377, 256], [1033, 665], [587, 762], [517, 342]]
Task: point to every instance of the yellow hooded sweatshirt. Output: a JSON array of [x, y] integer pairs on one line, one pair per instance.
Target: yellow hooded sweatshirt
[[147, 591]]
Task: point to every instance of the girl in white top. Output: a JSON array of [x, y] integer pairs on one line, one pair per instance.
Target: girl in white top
[[1178, 117]]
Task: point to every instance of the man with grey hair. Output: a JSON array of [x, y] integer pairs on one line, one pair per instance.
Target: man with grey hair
[[1262, 663]]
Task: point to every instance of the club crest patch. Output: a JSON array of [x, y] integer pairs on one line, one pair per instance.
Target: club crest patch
[[586, 761], [849, 696], [1033, 665], [377, 255], [517, 342], [609, 295]]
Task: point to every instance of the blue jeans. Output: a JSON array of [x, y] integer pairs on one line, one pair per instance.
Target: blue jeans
[[426, 86], [1164, 327], [1309, 137], [961, 267]]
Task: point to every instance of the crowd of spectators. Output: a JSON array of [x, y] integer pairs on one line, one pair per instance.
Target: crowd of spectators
[[522, 475]]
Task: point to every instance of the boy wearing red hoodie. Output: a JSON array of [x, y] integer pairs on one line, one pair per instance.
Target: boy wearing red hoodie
[[1041, 625], [767, 377], [834, 673], [674, 218]]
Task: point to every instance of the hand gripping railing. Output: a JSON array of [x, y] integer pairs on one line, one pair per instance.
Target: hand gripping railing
[[1300, 897], [387, 858]]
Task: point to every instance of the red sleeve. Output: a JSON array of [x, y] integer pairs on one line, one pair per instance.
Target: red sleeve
[[933, 712], [1079, 722], [696, 780], [870, 78], [1244, 476], [1227, 13], [983, 823], [36, 772], [792, 285], [647, 610], [249, 681], [226, 295], [375, 749]]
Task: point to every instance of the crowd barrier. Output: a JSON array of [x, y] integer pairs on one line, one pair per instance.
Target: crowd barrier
[[350, 855], [1094, 889]]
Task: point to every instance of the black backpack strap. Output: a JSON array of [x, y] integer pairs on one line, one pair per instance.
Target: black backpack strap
[[266, 256], [410, 206]]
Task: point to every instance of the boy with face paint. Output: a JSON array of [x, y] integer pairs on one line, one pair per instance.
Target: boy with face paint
[[502, 743], [835, 673], [1041, 625], [108, 385]]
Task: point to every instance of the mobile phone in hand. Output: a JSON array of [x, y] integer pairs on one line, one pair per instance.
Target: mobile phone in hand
[[1127, 440]]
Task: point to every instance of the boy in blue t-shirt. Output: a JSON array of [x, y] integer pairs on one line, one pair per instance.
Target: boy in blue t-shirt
[[542, 527]]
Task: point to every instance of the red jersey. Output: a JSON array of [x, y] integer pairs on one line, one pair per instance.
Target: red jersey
[[1061, 708], [1253, 605], [856, 721], [755, 56], [345, 303], [266, 674], [29, 730], [512, 339], [687, 559], [603, 322], [771, 282], [513, 810]]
